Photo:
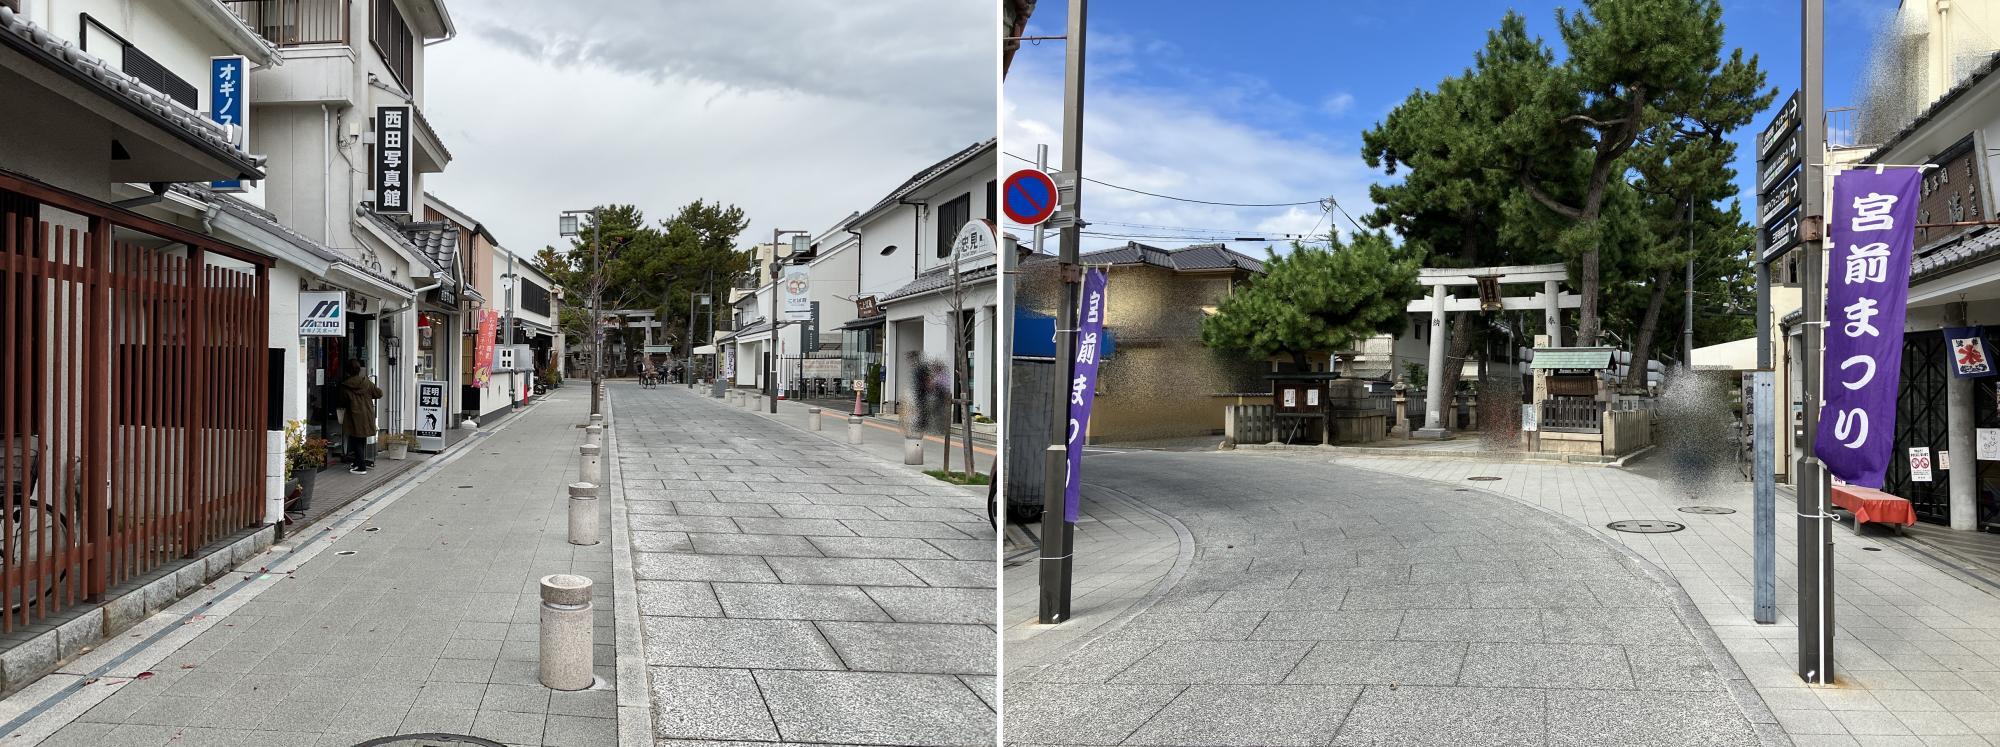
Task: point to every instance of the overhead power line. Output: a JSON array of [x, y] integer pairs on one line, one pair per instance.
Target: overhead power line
[[1183, 199]]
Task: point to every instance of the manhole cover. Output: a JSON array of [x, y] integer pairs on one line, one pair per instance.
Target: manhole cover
[[429, 740], [1482, 478], [1646, 526], [1705, 510]]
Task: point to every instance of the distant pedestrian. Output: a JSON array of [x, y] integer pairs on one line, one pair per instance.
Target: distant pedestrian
[[359, 424]]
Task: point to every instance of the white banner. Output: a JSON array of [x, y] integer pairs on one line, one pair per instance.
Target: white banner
[[797, 287]]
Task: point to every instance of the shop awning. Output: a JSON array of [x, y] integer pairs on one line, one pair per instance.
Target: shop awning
[[865, 322]]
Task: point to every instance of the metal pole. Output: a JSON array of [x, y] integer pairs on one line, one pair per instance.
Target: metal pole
[[1815, 540], [1764, 463], [687, 369], [771, 347], [1059, 536], [1041, 163], [1687, 330], [596, 313], [513, 393]]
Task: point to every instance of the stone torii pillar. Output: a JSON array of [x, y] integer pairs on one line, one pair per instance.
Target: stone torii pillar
[[1551, 301]]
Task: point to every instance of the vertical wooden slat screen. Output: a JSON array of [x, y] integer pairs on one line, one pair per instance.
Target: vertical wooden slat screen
[[132, 391]]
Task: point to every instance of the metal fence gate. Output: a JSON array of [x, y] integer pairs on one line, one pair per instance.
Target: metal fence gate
[[132, 396], [1920, 421]]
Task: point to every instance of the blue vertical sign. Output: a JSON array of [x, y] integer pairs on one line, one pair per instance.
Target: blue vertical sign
[[1083, 385], [228, 104]]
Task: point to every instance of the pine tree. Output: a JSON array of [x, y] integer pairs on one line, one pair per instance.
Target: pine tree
[[1318, 300]]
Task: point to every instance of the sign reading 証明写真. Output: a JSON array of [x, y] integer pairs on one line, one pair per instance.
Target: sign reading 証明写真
[[1083, 386], [392, 163], [228, 104], [322, 313], [1869, 241], [431, 420]]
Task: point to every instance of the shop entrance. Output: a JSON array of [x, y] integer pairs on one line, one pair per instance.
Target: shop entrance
[[326, 360]]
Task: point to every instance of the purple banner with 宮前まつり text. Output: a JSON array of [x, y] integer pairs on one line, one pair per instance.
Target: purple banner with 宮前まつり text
[[1870, 237]]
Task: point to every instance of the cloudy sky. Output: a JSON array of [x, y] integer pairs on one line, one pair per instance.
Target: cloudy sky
[[799, 111], [1204, 100]]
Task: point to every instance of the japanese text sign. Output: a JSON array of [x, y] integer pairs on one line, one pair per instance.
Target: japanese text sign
[[228, 104], [392, 164], [1971, 357], [1867, 283], [1083, 386]]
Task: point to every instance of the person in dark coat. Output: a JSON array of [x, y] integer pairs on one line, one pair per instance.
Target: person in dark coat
[[359, 423]]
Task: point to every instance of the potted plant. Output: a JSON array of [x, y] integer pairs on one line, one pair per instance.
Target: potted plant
[[397, 445], [305, 456]]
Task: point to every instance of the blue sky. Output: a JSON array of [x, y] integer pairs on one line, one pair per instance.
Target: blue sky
[[1264, 101]]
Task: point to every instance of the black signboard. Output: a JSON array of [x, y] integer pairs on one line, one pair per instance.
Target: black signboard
[[1780, 166], [392, 162]]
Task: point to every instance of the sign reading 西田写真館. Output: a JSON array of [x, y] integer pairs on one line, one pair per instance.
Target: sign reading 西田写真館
[[431, 418], [1971, 357], [1869, 242], [229, 105], [392, 162], [1083, 385], [797, 287], [322, 313]]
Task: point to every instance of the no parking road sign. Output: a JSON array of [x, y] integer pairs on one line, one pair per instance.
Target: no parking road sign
[[1031, 197]]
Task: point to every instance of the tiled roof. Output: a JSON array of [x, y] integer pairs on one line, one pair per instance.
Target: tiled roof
[[127, 91], [269, 221], [1196, 257], [433, 249], [1972, 247], [939, 278], [935, 170]]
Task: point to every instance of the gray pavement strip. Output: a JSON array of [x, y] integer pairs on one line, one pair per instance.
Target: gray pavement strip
[[348, 516], [807, 592]]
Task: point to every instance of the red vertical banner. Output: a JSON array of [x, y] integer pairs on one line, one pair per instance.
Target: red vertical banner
[[482, 351]]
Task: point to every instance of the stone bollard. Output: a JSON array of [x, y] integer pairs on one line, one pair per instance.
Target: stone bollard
[[913, 450], [854, 429], [594, 435], [567, 632], [597, 418], [583, 513], [589, 465], [812, 418]]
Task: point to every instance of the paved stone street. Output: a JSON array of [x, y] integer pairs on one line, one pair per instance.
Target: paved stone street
[[412, 610], [796, 589], [1325, 604], [1917, 652]]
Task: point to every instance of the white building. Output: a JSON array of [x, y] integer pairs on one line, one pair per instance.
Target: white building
[[905, 250]]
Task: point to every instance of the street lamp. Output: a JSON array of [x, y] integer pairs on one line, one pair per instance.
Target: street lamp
[[567, 224], [801, 241]]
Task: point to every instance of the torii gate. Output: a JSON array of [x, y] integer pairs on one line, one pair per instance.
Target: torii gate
[[1550, 300]]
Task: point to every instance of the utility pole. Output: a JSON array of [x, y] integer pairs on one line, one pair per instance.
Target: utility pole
[[1058, 534], [1687, 329], [771, 348], [596, 312], [1815, 538], [687, 369], [513, 281]]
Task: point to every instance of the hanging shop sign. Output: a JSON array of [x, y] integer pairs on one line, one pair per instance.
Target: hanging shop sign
[[322, 313], [1971, 357], [392, 159], [431, 418], [1868, 281], [1952, 194], [1083, 386], [865, 307], [228, 104]]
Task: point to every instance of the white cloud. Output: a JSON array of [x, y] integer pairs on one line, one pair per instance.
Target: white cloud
[[1337, 104], [1207, 137], [799, 117]]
